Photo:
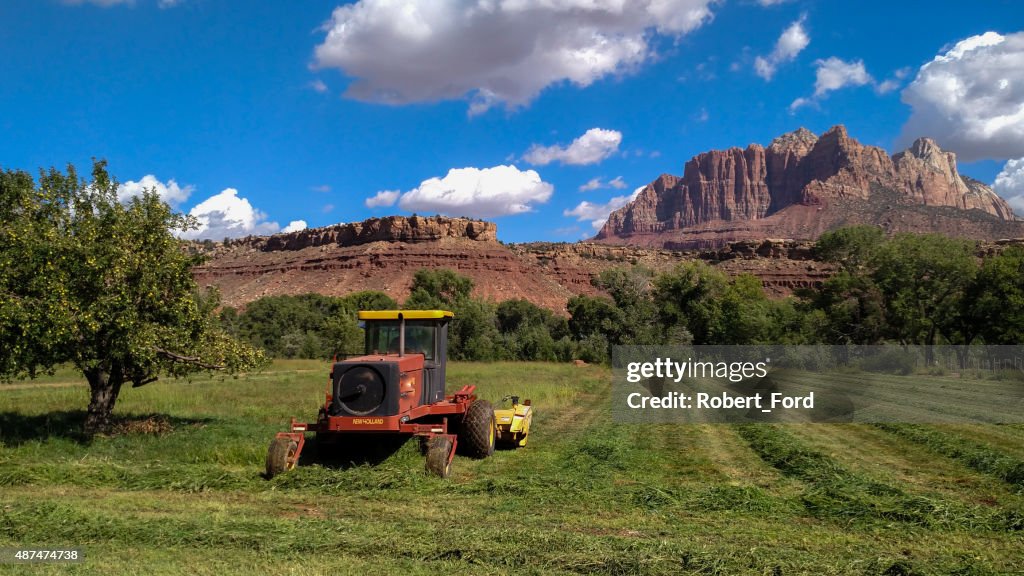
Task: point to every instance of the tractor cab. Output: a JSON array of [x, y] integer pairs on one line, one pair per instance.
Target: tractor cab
[[402, 332]]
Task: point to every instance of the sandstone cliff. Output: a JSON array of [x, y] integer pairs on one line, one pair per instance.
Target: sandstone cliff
[[384, 253], [802, 185], [413, 229]]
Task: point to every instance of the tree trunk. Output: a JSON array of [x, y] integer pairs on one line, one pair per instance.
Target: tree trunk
[[104, 388]]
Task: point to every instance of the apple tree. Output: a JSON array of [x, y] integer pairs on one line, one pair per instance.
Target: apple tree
[[104, 285]]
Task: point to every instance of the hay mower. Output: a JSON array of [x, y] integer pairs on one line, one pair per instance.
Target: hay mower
[[398, 387]]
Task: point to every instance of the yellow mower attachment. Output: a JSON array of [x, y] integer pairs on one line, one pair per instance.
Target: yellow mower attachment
[[513, 423]]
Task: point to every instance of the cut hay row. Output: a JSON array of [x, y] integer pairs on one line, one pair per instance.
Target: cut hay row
[[835, 492], [972, 454]]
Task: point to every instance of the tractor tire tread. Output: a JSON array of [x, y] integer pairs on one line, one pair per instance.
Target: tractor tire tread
[[478, 432]]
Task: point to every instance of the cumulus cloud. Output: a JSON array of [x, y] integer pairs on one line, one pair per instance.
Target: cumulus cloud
[[597, 214], [592, 147], [792, 41], [598, 184], [169, 192], [295, 226], [226, 215], [383, 199], [493, 52], [971, 98], [834, 74], [1010, 184], [479, 192]]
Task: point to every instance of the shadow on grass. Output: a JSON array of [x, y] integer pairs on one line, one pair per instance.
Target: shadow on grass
[[17, 428], [351, 450]]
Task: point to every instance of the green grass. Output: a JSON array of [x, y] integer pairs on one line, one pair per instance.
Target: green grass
[[180, 491]]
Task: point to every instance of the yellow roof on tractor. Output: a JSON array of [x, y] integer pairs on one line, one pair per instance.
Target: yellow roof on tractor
[[406, 314]]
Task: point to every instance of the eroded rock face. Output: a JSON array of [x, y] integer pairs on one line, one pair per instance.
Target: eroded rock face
[[388, 229], [800, 186]]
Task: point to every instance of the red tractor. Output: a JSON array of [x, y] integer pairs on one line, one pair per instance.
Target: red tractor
[[396, 387]]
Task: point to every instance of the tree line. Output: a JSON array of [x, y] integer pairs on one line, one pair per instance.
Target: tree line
[[921, 289]]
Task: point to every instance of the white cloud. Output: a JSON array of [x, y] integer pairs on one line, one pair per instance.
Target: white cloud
[[169, 192], [592, 147], [168, 3], [321, 188], [598, 184], [225, 215], [890, 84], [971, 98], [318, 86], [493, 51], [833, 74], [771, 2], [383, 199], [479, 192], [792, 41], [592, 184], [1010, 184], [295, 226], [597, 214]]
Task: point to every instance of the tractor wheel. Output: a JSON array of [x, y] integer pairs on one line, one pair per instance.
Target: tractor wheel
[[278, 456], [438, 450], [477, 432]]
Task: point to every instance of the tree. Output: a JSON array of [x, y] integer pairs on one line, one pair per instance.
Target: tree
[[595, 316], [690, 301], [441, 288], [924, 278], [851, 248], [852, 310], [996, 299], [370, 300], [631, 291], [102, 285]]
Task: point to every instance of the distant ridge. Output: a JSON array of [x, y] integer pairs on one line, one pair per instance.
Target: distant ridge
[[802, 185]]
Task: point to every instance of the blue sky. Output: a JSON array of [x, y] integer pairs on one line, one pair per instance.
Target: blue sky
[[255, 115]]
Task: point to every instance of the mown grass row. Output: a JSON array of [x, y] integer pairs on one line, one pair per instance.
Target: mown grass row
[[972, 454], [835, 492]]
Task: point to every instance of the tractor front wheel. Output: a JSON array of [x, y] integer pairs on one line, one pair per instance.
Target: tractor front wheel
[[280, 456], [439, 448], [477, 432]]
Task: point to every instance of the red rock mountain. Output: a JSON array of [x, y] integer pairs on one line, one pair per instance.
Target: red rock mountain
[[802, 185]]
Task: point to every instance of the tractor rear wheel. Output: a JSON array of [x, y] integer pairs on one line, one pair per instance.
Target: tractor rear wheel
[[280, 456], [477, 432], [438, 450]]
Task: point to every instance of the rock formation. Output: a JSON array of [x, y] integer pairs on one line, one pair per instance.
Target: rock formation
[[802, 185]]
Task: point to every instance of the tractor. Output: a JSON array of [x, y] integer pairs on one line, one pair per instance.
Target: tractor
[[398, 387]]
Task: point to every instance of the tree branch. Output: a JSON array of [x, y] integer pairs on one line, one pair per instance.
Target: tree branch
[[194, 360], [143, 381]]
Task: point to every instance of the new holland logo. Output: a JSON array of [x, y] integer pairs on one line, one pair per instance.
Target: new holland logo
[[367, 420]]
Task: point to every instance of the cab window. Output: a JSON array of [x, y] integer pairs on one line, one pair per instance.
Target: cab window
[[382, 337]]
